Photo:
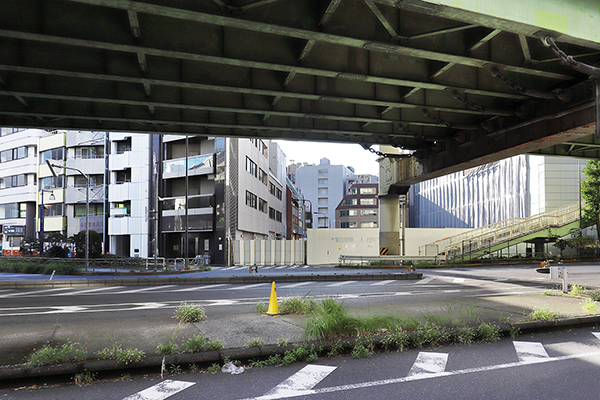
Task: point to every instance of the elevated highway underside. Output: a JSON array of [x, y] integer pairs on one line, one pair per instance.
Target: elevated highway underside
[[458, 86]]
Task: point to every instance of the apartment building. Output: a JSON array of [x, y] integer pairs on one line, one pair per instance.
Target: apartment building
[[18, 186], [359, 207], [323, 186]]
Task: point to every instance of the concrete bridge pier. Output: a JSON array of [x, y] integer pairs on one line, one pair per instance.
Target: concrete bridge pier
[[389, 203]]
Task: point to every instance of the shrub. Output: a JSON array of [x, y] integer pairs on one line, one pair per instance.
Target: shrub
[[199, 343], [122, 356], [465, 335], [542, 314], [167, 348], [396, 340]]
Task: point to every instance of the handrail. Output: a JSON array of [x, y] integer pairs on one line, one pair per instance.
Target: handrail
[[503, 231]]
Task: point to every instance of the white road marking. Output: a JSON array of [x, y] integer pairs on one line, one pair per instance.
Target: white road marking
[[306, 266], [341, 283], [425, 281], [146, 289], [380, 283], [86, 291], [251, 286], [452, 291], [597, 334], [222, 302], [402, 294], [37, 292], [429, 363], [295, 285], [193, 289], [458, 280], [161, 391], [413, 378], [530, 351], [282, 267], [65, 309], [305, 379]]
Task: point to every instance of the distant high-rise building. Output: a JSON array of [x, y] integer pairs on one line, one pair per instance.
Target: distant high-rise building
[[324, 185]]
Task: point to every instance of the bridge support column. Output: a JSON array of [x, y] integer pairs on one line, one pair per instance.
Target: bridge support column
[[389, 203], [389, 223]]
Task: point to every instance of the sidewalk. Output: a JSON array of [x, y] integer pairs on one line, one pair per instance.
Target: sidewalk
[[234, 331]]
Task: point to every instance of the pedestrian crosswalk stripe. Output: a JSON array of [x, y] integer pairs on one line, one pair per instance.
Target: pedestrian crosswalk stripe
[[294, 285], [161, 391], [530, 351], [305, 379], [429, 363], [145, 289], [341, 283], [380, 283], [193, 289]]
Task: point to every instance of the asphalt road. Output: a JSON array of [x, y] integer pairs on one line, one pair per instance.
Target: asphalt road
[[546, 366]]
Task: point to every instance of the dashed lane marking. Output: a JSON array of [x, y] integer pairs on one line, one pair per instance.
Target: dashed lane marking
[[381, 283], [161, 391], [203, 287], [295, 285], [305, 379], [341, 283], [146, 289], [429, 363]]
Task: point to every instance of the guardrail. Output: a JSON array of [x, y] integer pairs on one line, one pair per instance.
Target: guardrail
[[580, 272], [347, 260]]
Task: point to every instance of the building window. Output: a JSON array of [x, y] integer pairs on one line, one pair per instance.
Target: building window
[[13, 154], [322, 172], [13, 181], [323, 191], [262, 205], [54, 210], [278, 216], [251, 167], [89, 152], [352, 191], [372, 212], [350, 202], [52, 182], [348, 224], [323, 210], [271, 213], [120, 209], [278, 193], [262, 176], [123, 145], [9, 210], [123, 176], [323, 181], [272, 188], [323, 201], [368, 190], [368, 202], [368, 225], [95, 209], [54, 154], [251, 199]]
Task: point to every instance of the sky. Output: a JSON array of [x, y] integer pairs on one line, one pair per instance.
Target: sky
[[350, 155]]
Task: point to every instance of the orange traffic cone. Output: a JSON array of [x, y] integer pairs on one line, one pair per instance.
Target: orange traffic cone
[[273, 307]]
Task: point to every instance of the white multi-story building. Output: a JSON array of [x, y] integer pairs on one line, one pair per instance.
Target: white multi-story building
[[324, 185], [516, 187], [18, 186], [129, 184]]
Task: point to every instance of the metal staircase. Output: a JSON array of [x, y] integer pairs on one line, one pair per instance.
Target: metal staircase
[[491, 238]]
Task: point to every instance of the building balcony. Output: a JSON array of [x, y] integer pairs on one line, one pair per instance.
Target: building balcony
[[119, 161], [88, 166], [196, 165], [120, 191], [119, 226], [76, 194]]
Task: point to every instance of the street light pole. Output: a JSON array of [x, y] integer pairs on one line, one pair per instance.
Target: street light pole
[[42, 212], [87, 206]]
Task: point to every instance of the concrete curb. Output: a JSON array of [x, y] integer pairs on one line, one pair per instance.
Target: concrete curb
[[204, 280], [24, 371]]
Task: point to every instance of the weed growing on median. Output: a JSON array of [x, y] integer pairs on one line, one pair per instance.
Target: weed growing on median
[[589, 306], [296, 305], [167, 349], [54, 355], [213, 369], [260, 307], [363, 348], [256, 342], [123, 356], [282, 342], [199, 343], [85, 378], [488, 333], [188, 313], [577, 290], [543, 314], [398, 340]]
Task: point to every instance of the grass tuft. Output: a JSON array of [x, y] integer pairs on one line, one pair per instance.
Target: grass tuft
[[188, 313], [55, 355]]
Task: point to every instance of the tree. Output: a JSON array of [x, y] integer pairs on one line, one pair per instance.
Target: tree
[[590, 193], [58, 245], [95, 244]]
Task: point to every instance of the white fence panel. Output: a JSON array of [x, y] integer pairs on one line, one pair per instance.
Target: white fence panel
[[268, 252]]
